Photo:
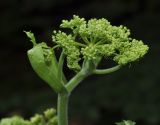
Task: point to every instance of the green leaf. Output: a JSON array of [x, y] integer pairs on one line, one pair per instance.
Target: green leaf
[[44, 63], [32, 37]]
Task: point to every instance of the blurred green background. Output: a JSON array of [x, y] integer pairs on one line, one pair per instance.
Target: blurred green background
[[131, 93]]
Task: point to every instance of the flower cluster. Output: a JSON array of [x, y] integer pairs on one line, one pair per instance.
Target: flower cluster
[[97, 38], [70, 49]]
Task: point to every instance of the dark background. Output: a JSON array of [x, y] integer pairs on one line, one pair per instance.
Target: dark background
[[131, 93]]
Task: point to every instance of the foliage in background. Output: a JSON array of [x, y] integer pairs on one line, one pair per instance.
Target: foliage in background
[[48, 118]]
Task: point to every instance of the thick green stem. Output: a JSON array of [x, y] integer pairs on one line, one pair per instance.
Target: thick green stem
[[62, 108], [76, 80], [86, 70]]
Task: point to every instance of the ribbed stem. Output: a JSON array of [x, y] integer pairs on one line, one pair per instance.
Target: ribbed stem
[[62, 108]]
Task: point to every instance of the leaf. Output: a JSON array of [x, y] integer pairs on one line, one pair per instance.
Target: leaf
[[44, 63]]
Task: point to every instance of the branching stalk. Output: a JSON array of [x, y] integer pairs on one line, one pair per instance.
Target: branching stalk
[[107, 71], [76, 80]]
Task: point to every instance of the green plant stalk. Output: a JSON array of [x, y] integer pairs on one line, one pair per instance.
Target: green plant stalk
[[60, 75], [62, 108], [107, 71], [76, 80], [63, 98], [87, 69]]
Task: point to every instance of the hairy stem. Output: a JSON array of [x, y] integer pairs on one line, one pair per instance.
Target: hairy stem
[[62, 108]]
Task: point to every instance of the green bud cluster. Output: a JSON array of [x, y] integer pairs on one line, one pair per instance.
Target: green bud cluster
[[96, 38], [16, 120], [130, 52], [50, 113], [73, 24], [49, 118], [48, 53], [70, 49]]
